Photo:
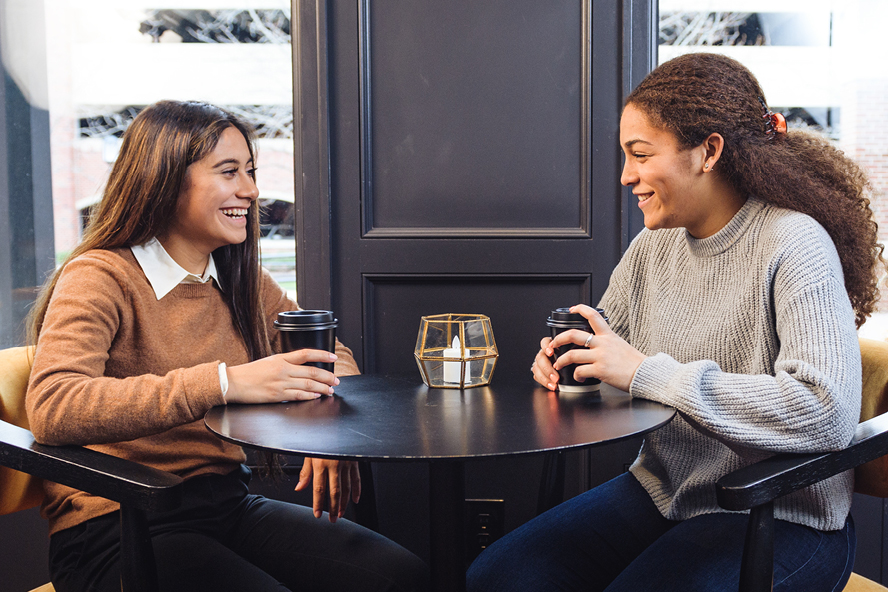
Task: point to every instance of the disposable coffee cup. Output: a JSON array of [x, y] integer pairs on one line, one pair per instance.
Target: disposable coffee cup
[[308, 329], [559, 321]]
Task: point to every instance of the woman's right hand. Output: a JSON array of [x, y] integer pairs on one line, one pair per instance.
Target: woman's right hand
[[281, 377], [543, 371]]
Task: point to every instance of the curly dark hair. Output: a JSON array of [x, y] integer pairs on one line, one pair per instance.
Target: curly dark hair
[[699, 94]]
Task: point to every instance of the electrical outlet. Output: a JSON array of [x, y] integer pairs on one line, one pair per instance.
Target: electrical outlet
[[484, 524]]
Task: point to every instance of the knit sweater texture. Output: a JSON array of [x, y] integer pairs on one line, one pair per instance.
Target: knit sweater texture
[[132, 376], [751, 338]]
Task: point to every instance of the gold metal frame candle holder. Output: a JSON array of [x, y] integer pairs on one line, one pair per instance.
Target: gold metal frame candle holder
[[455, 350]]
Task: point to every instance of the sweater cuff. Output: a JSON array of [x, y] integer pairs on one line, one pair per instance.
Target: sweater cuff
[[202, 390], [652, 376]]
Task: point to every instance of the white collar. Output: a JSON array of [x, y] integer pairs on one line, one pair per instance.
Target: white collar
[[164, 273]]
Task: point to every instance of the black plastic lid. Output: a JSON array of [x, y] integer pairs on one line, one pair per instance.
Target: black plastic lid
[[562, 317], [296, 320]]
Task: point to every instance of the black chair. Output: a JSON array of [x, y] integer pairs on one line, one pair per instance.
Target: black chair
[[137, 488], [756, 486]]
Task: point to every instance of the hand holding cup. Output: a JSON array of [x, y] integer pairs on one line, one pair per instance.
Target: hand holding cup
[[304, 371], [598, 354], [563, 320], [282, 377], [308, 329]]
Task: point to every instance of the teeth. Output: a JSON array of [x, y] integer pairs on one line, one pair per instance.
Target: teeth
[[235, 212]]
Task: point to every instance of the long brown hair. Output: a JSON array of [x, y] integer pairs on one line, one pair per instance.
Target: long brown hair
[[141, 197], [698, 94]]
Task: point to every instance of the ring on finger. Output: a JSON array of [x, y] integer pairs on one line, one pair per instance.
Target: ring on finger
[[589, 340]]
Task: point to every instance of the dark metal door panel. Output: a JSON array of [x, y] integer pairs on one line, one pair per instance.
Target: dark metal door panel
[[460, 144], [474, 118]]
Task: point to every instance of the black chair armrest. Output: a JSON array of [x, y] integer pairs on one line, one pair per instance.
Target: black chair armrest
[[123, 481], [781, 474]]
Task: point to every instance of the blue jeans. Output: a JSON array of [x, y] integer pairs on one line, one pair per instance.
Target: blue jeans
[[613, 538]]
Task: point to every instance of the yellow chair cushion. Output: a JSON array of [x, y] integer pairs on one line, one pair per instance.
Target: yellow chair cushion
[[874, 362], [861, 584], [18, 491], [872, 478]]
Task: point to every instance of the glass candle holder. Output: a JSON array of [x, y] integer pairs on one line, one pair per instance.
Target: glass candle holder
[[455, 350]]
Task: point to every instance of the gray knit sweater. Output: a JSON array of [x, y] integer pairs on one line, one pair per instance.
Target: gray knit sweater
[[751, 338]]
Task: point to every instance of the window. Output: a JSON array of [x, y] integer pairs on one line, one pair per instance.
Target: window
[[113, 59], [81, 70]]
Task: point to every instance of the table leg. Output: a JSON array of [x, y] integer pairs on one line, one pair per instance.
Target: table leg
[[447, 491], [552, 484], [366, 512]]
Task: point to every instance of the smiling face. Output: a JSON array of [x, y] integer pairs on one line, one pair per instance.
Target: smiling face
[[213, 203], [664, 177], [676, 187]]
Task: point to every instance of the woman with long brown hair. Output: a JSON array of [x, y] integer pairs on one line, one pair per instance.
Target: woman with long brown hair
[[737, 305], [159, 314]]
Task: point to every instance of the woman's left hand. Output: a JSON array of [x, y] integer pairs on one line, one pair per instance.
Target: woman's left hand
[[340, 480], [607, 357]]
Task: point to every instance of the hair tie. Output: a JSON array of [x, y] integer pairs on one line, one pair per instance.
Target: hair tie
[[775, 123]]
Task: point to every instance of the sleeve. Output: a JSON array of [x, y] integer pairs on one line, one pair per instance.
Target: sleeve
[[615, 301], [345, 362], [71, 401], [277, 301], [812, 400]]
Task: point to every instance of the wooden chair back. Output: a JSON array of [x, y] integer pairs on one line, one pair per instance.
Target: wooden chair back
[[138, 488]]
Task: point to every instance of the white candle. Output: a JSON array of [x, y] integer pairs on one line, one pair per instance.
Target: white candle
[[452, 369]]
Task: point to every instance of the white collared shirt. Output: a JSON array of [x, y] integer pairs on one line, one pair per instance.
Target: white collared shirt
[[164, 274]]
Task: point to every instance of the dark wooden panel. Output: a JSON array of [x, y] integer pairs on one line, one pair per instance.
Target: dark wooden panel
[[311, 154], [24, 548], [517, 306], [475, 118], [867, 512]]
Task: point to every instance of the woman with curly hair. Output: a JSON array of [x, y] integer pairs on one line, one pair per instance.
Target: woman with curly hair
[[737, 305]]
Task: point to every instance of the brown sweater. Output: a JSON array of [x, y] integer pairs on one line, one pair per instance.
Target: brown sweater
[[133, 376]]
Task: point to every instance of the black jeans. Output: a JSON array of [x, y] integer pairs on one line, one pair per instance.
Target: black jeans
[[222, 538]]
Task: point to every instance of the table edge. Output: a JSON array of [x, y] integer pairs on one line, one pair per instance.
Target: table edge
[[439, 458]]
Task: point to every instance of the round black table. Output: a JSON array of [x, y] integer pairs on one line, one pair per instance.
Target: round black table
[[386, 418]]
